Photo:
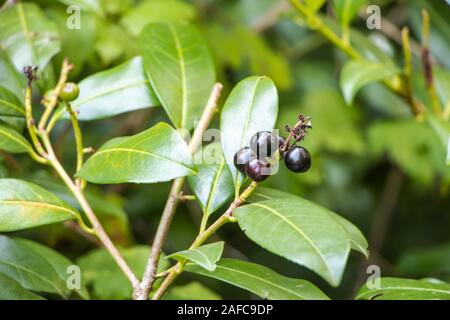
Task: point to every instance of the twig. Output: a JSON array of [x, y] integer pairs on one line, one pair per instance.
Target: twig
[[96, 225], [173, 200], [79, 143], [202, 237], [53, 99]]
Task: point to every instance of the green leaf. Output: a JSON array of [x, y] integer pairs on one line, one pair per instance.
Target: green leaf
[[302, 232], [260, 280], [108, 93], [205, 256], [28, 36], [357, 74], [180, 69], [213, 185], [108, 281], [25, 205], [33, 271], [251, 107], [12, 290], [347, 9], [56, 260], [11, 109], [157, 11], [358, 241], [10, 78], [191, 291], [13, 142], [86, 5], [155, 155], [406, 289]]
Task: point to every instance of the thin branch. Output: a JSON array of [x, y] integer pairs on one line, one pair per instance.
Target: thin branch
[[174, 198], [96, 225], [202, 237], [79, 143], [53, 99]]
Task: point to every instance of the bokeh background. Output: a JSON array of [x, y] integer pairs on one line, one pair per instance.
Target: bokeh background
[[372, 162]]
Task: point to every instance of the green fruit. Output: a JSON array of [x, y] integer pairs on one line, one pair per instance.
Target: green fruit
[[69, 92]]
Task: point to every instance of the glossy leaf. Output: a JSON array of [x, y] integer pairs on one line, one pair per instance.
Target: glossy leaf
[[108, 281], [155, 155], [59, 263], [302, 232], [180, 68], [108, 93], [12, 141], [357, 74], [28, 36], [260, 280], [358, 241], [25, 205], [205, 256], [10, 78], [30, 269], [157, 11], [213, 185], [12, 290], [191, 291], [406, 289], [11, 110], [252, 106]]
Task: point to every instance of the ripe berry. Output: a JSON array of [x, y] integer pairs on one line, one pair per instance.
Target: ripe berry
[[264, 143], [257, 170], [69, 92], [242, 157], [298, 159]]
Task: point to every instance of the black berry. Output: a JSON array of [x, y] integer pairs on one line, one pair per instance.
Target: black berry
[[242, 157], [264, 143], [298, 159], [69, 92], [257, 170]]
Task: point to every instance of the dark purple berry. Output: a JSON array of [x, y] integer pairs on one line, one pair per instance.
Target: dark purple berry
[[264, 143], [258, 170], [297, 159], [242, 157]]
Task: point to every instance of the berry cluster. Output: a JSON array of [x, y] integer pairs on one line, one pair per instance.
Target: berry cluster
[[255, 160]]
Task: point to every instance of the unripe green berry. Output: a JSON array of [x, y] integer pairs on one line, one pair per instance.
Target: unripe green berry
[[69, 92]]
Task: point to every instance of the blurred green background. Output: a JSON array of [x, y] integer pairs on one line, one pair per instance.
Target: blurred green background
[[372, 162]]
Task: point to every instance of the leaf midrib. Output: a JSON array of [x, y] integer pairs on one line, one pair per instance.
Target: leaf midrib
[[263, 280], [214, 187], [301, 233], [36, 275], [39, 204], [106, 92], [151, 154], [12, 105], [23, 144], [182, 74], [25, 30]]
